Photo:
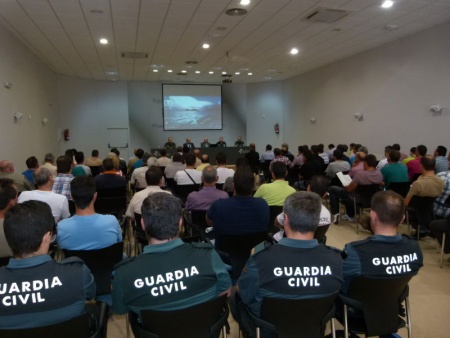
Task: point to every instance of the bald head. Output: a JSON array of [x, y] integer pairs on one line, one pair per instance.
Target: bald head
[[6, 166]]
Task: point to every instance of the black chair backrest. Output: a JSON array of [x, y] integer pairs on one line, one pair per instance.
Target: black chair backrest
[[238, 248], [198, 321], [198, 217], [299, 317], [379, 299], [141, 236], [364, 193], [275, 210], [182, 191], [320, 232], [219, 186], [293, 175], [423, 207], [78, 327], [4, 261], [111, 201], [101, 263], [72, 208], [95, 170], [170, 183], [401, 188], [335, 181], [415, 177]]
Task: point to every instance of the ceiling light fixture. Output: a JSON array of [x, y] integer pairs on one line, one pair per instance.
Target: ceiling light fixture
[[205, 46], [236, 12], [183, 71], [211, 72], [294, 51], [250, 74], [169, 70], [387, 4], [244, 2], [155, 70], [197, 72], [104, 41], [224, 73], [237, 73]]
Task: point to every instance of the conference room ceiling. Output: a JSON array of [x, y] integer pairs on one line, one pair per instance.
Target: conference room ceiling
[[65, 35]]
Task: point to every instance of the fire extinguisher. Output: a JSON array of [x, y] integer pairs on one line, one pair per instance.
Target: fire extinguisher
[[66, 134], [276, 127]]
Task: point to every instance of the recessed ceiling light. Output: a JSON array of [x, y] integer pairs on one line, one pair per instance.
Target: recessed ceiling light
[[387, 4], [191, 62], [197, 72], [250, 74], [205, 46], [294, 51], [236, 12], [169, 70], [237, 73], [244, 2], [211, 72], [183, 71], [155, 70], [104, 41], [224, 73]]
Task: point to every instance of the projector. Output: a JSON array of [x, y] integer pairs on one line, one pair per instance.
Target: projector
[[227, 81]]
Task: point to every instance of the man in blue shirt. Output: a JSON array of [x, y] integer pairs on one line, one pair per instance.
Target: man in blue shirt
[[35, 290]]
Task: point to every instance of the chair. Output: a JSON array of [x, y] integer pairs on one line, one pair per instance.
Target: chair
[[78, 327], [72, 208], [235, 249], [422, 207], [182, 191], [111, 201], [362, 200], [415, 177], [275, 210], [300, 318], [378, 299], [170, 183], [293, 176], [401, 188], [101, 263], [219, 186], [203, 320], [198, 217], [335, 181], [95, 170], [320, 232]]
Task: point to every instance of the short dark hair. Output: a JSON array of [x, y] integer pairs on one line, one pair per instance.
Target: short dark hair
[[177, 157], [153, 175], [31, 162], [441, 150], [307, 154], [82, 189], [163, 152], [241, 162], [41, 176], [413, 150], [277, 151], [396, 146], [338, 154], [161, 213], [108, 164], [251, 146], [331, 146], [428, 162], [244, 181], [387, 149], [145, 158], [394, 155], [371, 160], [190, 160], [319, 184], [279, 169], [79, 157], [320, 148], [139, 153], [7, 192], [269, 147], [389, 207], [94, 153], [314, 149], [26, 224], [63, 164], [116, 151], [422, 150], [221, 158], [303, 210]]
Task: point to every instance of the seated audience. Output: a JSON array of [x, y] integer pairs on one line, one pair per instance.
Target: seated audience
[[79, 157], [202, 200], [163, 160], [441, 160], [205, 162], [252, 158], [49, 161], [200, 273], [268, 273], [138, 175], [358, 164], [153, 178], [394, 171], [28, 230], [94, 160], [44, 181], [384, 161], [109, 179], [7, 171], [188, 175], [268, 154], [412, 155], [337, 165], [176, 165], [32, 164], [403, 156], [414, 167], [222, 171], [61, 183], [275, 193], [8, 199], [279, 158]]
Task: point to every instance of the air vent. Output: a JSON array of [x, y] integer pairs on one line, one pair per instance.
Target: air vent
[[327, 15], [134, 55], [191, 62], [227, 75]]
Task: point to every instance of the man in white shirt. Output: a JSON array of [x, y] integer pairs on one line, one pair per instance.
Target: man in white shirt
[[163, 160], [384, 161], [222, 171], [153, 177], [188, 175], [57, 202]]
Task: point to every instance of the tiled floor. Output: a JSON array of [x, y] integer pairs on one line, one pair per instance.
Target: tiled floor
[[429, 290]]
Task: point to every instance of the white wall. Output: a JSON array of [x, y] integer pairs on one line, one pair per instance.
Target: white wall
[[146, 121], [88, 108], [392, 86], [34, 94]]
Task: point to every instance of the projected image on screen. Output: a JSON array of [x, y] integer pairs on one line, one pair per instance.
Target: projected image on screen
[[191, 107]]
